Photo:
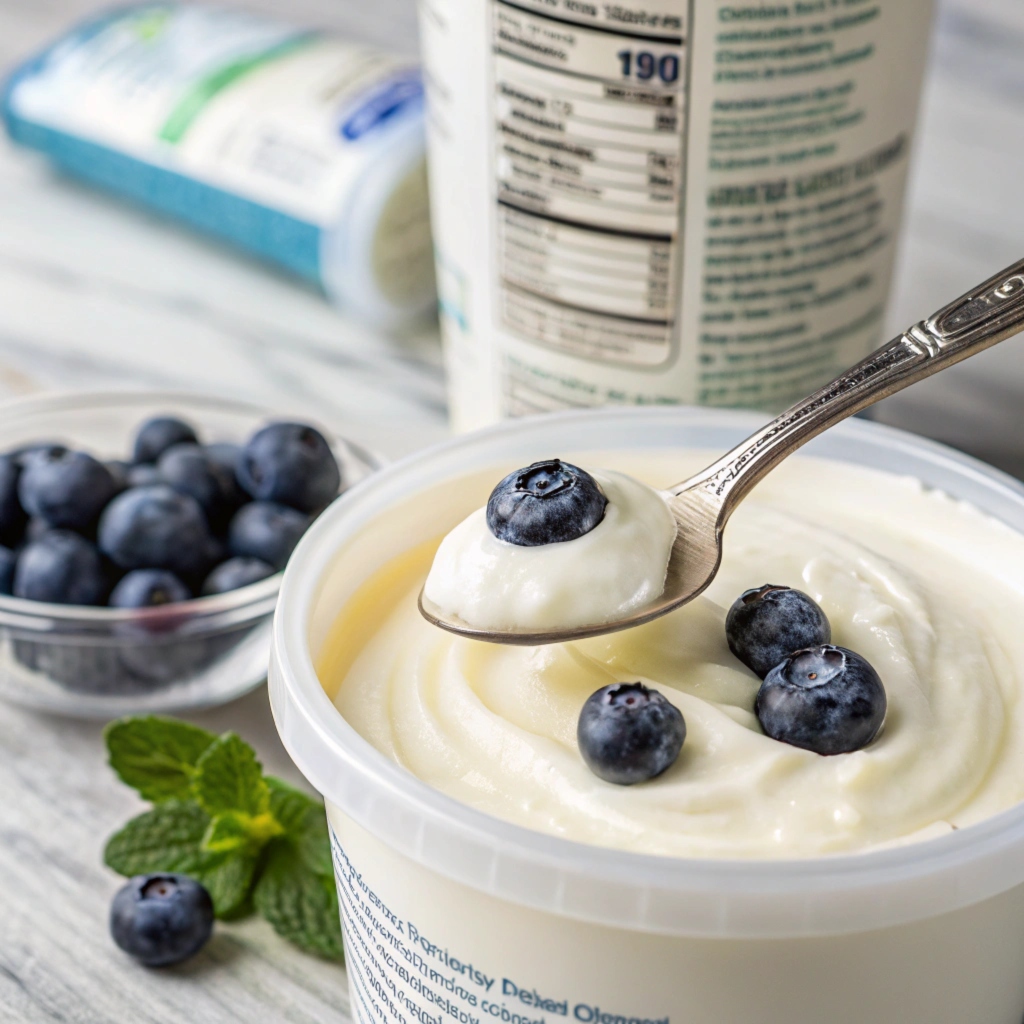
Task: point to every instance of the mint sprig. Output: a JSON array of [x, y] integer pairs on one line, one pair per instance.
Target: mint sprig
[[252, 840]]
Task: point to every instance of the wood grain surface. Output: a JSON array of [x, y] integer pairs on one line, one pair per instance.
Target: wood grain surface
[[87, 290]]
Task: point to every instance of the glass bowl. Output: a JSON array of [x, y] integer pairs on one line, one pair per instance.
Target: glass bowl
[[104, 662]]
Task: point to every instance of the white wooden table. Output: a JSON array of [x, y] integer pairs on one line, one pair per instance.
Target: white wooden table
[[93, 293]]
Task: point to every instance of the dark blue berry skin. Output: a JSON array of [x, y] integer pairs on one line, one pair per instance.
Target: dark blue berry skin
[[119, 470], [66, 488], [12, 515], [148, 588], [188, 468], [826, 699], [144, 475], [767, 624], [292, 464], [225, 454], [546, 503], [27, 452], [156, 435], [157, 527], [63, 568], [235, 573], [8, 559], [161, 919], [34, 530], [267, 531], [628, 733]]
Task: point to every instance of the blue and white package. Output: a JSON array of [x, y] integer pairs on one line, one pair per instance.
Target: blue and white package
[[301, 148]]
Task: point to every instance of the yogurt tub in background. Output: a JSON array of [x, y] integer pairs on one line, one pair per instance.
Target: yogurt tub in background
[[450, 913]]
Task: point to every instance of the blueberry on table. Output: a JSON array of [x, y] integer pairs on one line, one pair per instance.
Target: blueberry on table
[[546, 503], [767, 624], [63, 568], [156, 435], [68, 489], [826, 699], [235, 573], [157, 527], [8, 559], [292, 464], [188, 468], [12, 515], [148, 588], [267, 531], [161, 919], [628, 733]]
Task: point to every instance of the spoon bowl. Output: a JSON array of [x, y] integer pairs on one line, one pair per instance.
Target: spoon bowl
[[702, 505]]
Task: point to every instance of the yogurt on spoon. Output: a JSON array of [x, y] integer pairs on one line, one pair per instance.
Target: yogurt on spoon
[[555, 547]]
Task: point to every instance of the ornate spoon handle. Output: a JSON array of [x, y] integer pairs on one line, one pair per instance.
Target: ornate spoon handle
[[984, 316]]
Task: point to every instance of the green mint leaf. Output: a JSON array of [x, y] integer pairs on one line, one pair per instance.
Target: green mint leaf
[[167, 838], [228, 879], [156, 756], [229, 778], [290, 806], [300, 904], [227, 833]]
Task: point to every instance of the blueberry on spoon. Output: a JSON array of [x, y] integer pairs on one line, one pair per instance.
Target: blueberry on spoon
[[546, 503], [769, 623], [628, 733], [826, 699]]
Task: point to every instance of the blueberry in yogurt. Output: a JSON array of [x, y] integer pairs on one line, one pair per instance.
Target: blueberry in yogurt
[[161, 919], [291, 464], [158, 434], [826, 699], [628, 733], [63, 568], [766, 624], [546, 503], [66, 488], [267, 531], [157, 527]]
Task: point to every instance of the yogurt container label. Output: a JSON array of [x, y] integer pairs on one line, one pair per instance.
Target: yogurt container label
[[253, 129], [669, 202]]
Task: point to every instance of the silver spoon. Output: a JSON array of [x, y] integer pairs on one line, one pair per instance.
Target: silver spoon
[[702, 505]]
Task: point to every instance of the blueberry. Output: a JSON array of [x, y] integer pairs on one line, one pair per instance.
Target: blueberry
[[628, 733], [27, 452], [148, 588], [63, 568], [188, 468], [12, 515], [234, 573], [156, 435], [119, 470], [66, 488], [546, 503], [161, 919], [266, 530], [292, 464], [769, 623], [144, 474], [35, 528], [225, 454], [826, 699], [7, 562], [157, 527]]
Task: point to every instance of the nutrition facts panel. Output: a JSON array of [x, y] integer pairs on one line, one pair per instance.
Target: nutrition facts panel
[[588, 162]]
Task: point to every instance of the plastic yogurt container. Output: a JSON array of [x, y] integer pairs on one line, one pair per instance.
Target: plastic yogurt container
[[451, 914]]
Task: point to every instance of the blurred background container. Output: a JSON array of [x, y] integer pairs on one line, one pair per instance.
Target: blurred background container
[[93, 292]]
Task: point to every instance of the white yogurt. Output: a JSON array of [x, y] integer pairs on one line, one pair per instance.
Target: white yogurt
[[928, 589], [616, 568]]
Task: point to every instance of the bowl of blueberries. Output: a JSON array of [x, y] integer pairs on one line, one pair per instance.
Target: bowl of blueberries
[[142, 538]]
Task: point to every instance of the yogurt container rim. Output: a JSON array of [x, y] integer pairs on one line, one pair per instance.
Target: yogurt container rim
[[724, 898]]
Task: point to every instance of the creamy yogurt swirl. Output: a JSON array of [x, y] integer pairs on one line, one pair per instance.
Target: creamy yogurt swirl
[[930, 590], [615, 568]]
